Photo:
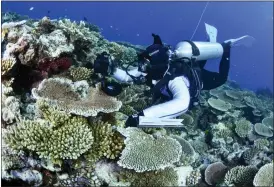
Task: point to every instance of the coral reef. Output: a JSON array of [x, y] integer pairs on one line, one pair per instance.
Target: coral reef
[[60, 129]]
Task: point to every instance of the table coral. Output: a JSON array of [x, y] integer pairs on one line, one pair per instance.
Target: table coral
[[62, 93], [144, 153]]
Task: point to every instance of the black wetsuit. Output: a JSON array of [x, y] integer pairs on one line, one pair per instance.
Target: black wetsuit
[[213, 80]]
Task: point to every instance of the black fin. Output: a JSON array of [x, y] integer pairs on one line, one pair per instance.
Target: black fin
[[157, 39]]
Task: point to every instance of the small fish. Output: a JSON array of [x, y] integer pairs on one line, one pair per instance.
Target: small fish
[[111, 26], [85, 19], [137, 34], [31, 8], [48, 12]]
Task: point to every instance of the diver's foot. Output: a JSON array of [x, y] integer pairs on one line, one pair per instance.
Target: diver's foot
[[244, 40]]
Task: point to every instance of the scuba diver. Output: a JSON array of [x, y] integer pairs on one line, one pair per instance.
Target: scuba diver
[[176, 76]]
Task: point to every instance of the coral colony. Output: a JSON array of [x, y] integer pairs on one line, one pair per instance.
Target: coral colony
[[60, 129]]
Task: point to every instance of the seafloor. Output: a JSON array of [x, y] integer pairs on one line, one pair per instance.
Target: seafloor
[[59, 129]]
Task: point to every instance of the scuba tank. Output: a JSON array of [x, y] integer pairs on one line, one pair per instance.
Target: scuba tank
[[199, 50]]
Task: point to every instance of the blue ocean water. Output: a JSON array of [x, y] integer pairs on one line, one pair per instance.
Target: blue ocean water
[[134, 22]]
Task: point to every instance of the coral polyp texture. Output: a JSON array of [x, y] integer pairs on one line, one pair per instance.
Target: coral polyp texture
[[143, 152], [61, 92], [59, 128]]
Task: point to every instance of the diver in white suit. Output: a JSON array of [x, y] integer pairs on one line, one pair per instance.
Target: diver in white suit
[[177, 76]]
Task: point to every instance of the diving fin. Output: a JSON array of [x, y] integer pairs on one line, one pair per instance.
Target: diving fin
[[159, 122], [157, 39], [246, 41], [211, 33]]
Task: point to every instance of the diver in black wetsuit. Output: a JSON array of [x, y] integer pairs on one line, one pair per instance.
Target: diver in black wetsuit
[[177, 75]]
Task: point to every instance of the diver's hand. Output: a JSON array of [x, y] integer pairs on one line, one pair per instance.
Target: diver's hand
[[133, 120]]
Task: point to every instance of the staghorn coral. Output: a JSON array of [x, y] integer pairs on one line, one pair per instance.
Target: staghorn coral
[[55, 117], [219, 104], [144, 153], [243, 128], [215, 173], [264, 177], [80, 73], [61, 93], [263, 130], [7, 65], [240, 176]]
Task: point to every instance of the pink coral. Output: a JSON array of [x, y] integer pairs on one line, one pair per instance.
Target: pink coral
[[55, 65]]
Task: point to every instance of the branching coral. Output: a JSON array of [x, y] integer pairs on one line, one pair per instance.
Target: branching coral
[[7, 64], [52, 115], [80, 73], [145, 153], [107, 142], [62, 93], [240, 176], [243, 128], [67, 142]]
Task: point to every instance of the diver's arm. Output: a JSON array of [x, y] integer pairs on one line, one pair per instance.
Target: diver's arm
[[177, 106], [122, 75]]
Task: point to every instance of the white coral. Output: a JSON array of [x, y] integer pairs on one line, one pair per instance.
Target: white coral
[[55, 43], [11, 109]]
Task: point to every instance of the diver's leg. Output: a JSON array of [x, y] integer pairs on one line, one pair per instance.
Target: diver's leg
[[202, 63], [213, 80]]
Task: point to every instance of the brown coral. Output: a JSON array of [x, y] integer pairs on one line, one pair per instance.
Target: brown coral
[[7, 64], [61, 92]]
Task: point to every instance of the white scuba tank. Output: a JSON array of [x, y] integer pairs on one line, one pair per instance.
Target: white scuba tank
[[208, 50]]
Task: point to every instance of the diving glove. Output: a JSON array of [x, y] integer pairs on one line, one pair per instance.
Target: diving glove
[[133, 120]]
